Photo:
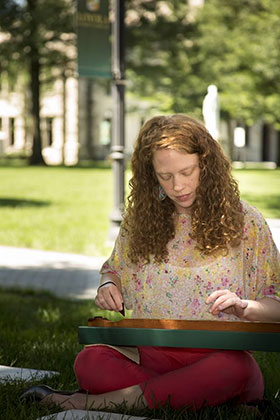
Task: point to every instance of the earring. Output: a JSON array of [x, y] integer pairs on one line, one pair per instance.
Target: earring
[[161, 193]]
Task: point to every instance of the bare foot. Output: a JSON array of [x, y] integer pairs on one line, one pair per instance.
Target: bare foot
[[58, 399], [76, 401], [133, 396]]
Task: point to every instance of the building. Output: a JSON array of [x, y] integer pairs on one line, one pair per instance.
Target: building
[[76, 124], [75, 121]]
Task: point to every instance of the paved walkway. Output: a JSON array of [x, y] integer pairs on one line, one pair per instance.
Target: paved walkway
[[66, 275], [274, 225]]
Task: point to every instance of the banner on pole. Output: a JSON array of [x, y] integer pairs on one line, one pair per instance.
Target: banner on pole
[[94, 45]]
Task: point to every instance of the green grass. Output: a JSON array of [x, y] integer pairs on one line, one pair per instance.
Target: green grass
[[58, 209], [261, 188], [39, 331], [68, 209]]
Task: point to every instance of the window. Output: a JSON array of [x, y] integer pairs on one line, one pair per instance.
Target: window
[[11, 131], [49, 129]]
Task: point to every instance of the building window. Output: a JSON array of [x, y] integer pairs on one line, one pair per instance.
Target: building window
[[105, 132], [12, 131], [247, 136], [265, 142], [49, 124]]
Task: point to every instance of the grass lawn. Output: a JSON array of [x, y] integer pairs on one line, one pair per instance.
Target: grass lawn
[[39, 331], [68, 209], [261, 188], [57, 209]]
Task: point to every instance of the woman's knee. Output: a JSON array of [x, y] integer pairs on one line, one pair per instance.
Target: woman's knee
[[94, 357], [90, 366], [252, 378], [244, 374], [244, 365]]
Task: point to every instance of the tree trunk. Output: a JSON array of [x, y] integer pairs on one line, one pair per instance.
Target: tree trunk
[[230, 129], [89, 118], [36, 157], [64, 110]]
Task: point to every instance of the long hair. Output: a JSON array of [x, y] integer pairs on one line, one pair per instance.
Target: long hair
[[217, 216]]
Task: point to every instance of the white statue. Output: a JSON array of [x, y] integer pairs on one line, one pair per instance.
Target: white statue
[[211, 111]]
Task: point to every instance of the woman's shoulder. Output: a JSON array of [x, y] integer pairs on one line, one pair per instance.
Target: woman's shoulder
[[254, 221], [251, 213]]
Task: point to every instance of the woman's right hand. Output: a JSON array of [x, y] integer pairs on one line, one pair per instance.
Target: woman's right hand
[[109, 297]]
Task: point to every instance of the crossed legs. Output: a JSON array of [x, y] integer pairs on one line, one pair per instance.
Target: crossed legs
[[187, 377]]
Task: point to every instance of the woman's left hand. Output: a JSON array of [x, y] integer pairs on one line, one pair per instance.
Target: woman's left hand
[[228, 302]]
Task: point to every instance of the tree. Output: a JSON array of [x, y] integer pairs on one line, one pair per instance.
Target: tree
[[241, 56], [175, 52], [159, 38], [36, 37]]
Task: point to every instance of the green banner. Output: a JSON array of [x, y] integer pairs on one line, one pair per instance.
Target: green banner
[[94, 34]]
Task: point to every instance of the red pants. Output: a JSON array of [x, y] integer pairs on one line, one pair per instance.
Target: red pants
[[188, 377]]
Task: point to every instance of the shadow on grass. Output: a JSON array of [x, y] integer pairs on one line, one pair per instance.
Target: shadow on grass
[[21, 202], [9, 162]]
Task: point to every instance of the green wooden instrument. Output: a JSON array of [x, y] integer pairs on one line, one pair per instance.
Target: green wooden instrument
[[257, 336]]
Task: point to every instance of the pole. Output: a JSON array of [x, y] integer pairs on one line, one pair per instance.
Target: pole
[[118, 131]]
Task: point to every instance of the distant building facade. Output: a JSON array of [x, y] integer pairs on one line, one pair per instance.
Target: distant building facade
[[260, 143], [76, 125], [76, 119]]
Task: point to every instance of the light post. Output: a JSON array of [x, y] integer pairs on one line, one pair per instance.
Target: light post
[[118, 130]]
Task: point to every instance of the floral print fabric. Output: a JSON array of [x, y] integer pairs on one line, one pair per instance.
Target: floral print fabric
[[178, 288]]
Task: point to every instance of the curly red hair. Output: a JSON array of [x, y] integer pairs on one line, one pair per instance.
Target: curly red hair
[[217, 216]]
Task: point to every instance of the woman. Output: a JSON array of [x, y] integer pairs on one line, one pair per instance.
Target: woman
[[188, 249]]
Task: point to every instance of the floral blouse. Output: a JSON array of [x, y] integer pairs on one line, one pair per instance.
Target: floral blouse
[[179, 287]]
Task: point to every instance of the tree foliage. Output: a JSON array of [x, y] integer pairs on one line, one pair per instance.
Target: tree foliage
[[239, 45], [233, 44], [37, 38], [159, 38]]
